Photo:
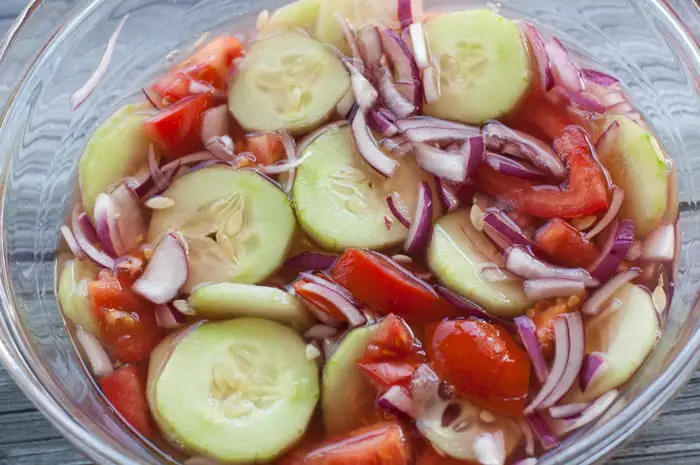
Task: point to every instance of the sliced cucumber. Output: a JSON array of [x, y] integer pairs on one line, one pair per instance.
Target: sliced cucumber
[[484, 65], [624, 334], [458, 254], [118, 148], [287, 81], [348, 397], [300, 14], [73, 293], [359, 13], [240, 391], [341, 201], [250, 219], [229, 300], [639, 167]]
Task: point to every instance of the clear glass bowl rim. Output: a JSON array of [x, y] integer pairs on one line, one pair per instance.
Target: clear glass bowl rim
[[592, 448]]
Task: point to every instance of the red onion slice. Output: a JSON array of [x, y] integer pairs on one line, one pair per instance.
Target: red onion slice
[[422, 224], [152, 98], [79, 97], [606, 142], [510, 167], [215, 123], [592, 412], [421, 52], [391, 96], [525, 265], [596, 302], [94, 352], [527, 461], [433, 130], [365, 93], [449, 201], [397, 400], [618, 196], [367, 147], [529, 437], [660, 244], [310, 261], [582, 100], [166, 272], [82, 229], [165, 317], [447, 165], [398, 209], [159, 178], [290, 152], [405, 13], [346, 104], [566, 73], [105, 215], [72, 243], [540, 289], [221, 147], [370, 45], [544, 433], [130, 222], [614, 250], [351, 39], [380, 121], [575, 336], [539, 52], [509, 233], [432, 89], [501, 139], [406, 73], [528, 335], [594, 365], [319, 332], [599, 78], [347, 308], [567, 411]]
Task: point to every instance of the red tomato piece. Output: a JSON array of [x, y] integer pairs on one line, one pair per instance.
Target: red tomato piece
[[483, 362], [392, 355], [543, 315], [384, 286], [585, 192], [267, 148], [317, 300], [126, 322], [176, 129], [541, 118], [430, 457], [380, 444], [566, 243], [125, 389]]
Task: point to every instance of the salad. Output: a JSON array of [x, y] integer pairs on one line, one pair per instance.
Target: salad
[[364, 233]]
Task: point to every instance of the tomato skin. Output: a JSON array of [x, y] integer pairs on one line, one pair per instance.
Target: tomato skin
[[176, 129], [316, 300], [541, 118], [585, 192], [483, 362], [126, 322], [125, 389], [430, 457], [380, 444], [543, 315], [392, 355], [566, 244], [267, 148], [387, 288]]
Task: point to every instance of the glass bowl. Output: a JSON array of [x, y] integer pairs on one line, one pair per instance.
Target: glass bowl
[[54, 47]]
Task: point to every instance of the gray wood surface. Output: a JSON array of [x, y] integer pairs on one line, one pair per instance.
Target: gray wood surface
[[26, 438]]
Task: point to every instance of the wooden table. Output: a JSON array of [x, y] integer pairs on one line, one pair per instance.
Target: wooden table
[[26, 438]]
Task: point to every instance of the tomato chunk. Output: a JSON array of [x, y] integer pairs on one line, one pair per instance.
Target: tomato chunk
[[387, 288], [267, 148], [125, 389], [541, 118], [392, 355], [483, 362], [585, 192], [566, 243], [204, 72], [380, 444], [126, 322], [176, 129], [543, 315]]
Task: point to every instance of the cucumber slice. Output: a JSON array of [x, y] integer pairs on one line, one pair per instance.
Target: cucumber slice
[[300, 14], [458, 254], [228, 300], [640, 168], [118, 148], [624, 334], [287, 82], [484, 65], [348, 397], [250, 219], [240, 391], [341, 201], [73, 293], [358, 13]]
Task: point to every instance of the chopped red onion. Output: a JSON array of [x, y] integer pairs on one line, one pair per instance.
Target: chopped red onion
[[431, 84], [660, 244], [221, 147], [509, 233], [346, 104], [351, 39], [367, 147], [528, 336], [309, 139], [72, 242], [365, 93], [420, 45], [398, 208], [447, 195], [567, 410], [129, 219], [433, 130], [607, 141], [542, 430], [281, 168], [310, 261], [380, 120], [347, 308], [93, 81], [397, 400], [96, 355], [399, 146], [447, 165], [539, 52], [152, 98], [592, 412], [566, 73], [290, 152], [525, 265], [527, 461], [511, 167], [614, 250], [320, 332], [501, 139], [391, 96], [594, 365], [105, 215], [165, 317], [582, 100], [370, 45], [618, 196], [422, 224], [196, 157], [82, 229], [529, 437], [215, 123], [405, 13], [596, 302], [407, 76], [159, 177], [599, 78], [540, 289], [166, 272]]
